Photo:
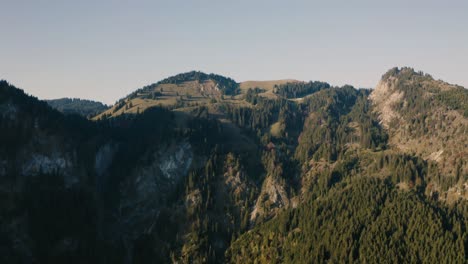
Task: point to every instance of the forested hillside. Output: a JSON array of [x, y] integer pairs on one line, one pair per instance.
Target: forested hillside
[[198, 168], [86, 108], [364, 220]]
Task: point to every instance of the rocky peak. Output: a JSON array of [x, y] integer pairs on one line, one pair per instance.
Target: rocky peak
[[386, 97]]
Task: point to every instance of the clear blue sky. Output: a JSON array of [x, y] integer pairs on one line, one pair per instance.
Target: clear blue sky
[[103, 50]]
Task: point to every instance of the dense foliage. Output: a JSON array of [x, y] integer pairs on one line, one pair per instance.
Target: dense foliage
[[299, 89], [81, 107], [362, 220], [456, 99], [227, 85]]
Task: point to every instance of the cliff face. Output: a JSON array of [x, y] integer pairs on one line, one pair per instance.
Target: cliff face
[[146, 190], [387, 98], [272, 199]]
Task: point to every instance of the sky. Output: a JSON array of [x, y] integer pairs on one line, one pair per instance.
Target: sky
[[103, 50]]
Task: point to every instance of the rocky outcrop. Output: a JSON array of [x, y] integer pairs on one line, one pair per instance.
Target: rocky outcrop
[[149, 186], [178, 162], [272, 198], [420, 121], [386, 97], [40, 163]]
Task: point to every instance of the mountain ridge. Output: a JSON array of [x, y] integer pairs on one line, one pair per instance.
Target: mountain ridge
[[239, 178], [84, 107]]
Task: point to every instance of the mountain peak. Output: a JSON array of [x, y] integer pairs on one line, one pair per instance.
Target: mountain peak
[[413, 106], [184, 89], [226, 84], [404, 73]]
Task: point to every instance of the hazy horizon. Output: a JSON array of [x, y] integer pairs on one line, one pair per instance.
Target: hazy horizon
[[103, 51]]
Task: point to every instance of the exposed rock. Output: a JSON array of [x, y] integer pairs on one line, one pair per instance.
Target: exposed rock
[[273, 197], [419, 122], [386, 96], [436, 156], [51, 163], [178, 162], [149, 185], [40, 163]]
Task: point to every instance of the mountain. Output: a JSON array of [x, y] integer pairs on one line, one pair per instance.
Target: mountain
[[82, 107], [182, 90], [80, 191], [193, 89], [198, 168], [372, 199], [425, 117]]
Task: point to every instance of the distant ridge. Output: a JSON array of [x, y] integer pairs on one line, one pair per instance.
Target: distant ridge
[[83, 107]]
